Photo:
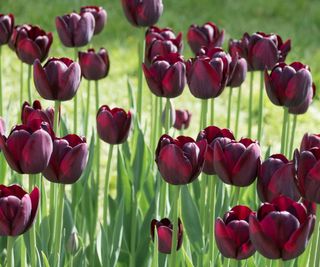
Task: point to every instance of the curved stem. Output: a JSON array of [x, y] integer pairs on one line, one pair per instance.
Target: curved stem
[[238, 112], [260, 120], [29, 84], [106, 187], [10, 258], [229, 108], [87, 111], [250, 105]]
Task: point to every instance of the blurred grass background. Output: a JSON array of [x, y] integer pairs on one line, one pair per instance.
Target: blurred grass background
[[295, 19]]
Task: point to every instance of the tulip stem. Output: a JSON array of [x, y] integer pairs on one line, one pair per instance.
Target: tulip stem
[[167, 124], [238, 112], [211, 193], [229, 108], [260, 120], [32, 232], [21, 83], [75, 101], [175, 223], [140, 76], [284, 127], [87, 111], [56, 117], [10, 258], [280, 263], [250, 105], [286, 145], [293, 129], [29, 84], [315, 238], [212, 112], [132, 260], [1, 107], [97, 144], [106, 187]]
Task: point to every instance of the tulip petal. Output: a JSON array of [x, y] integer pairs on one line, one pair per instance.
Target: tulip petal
[[41, 81], [174, 80], [21, 220], [84, 30], [246, 251], [35, 197], [264, 54], [225, 243], [70, 81], [64, 32], [220, 164], [28, 51]]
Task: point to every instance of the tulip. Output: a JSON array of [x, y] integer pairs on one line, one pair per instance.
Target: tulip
[[303, 107], [182, 120], [35, 112], [18, 209], [28, 147], [58, 79], [99, 14], [207, 35], [212, 134], [75, 30], [277, 177], [281, 229], [68, 160], [289, 85], [309, 141], [113, 125], [180, 160], [143, 13], [236, 163], [161, 42], [164, 229], [94, 66], [238, 71], [2, 126], [166, 76], [30, 43], [6, 28], [232, 233], [208, 73]]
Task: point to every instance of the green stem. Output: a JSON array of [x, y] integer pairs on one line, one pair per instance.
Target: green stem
[[314, 240], [175, 220], [280, 263], [229, 107], [286, 146], [167, 124], [1, 104], [32, 232], [238, 112], [212, 112], [154, 130], [87, 111], [97, 146], [21, 83], [140, 76], [106, 187], [29, 84], [284, 127], [22, 253], [250, 105], [132, 258], [260, 120], [293, 130], [236, 195], [211, 217], [56, 116], [10, 258], [75, 101]]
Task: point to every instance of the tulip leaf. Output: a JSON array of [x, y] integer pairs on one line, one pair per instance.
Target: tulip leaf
[[44, 259], [102, 245], [131, 96]]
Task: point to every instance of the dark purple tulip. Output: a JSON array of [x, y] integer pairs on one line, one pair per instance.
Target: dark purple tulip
[[6, 28], [113, 125], [232, 233], [28, 147], [180, 160], [99, 14], [236, 163], [182, 120], [281, 229], [207, 74], [303, 107], [18, 209], [2, 126], [30, 43], [212, 134], [166, 76], [75, 30], [309, 141], [238, 71], [161, 42], [35, 112], [289, 85], [277, 177], [68, 160], [207, 35], [58, 79], [94, 66], [164, 229], [143, 13]]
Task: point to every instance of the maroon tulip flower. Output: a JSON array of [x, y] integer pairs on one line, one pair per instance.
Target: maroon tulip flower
[[2, 126], [30, 43], [310, 141], [35, 112], [289, 85], [94, 66], [6, 28], [208, 73], [75, 30], [180, 160], [113, 125], [207, 35], [232, 233], [161, 42], [212, 134], [182, 120], [28, 147], [18, 209], [277, 177], [143, 13], [58, 79], [281, 229], [99, 14], [303, 107], [68, 160], [164, 229], [236, 163], [238, 71], [166, 76]]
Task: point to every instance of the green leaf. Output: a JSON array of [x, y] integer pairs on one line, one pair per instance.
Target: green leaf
[[44, 259], [131, 96]]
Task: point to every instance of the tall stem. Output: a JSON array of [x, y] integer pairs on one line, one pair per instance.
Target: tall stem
[[21, 82], [293, 129], [75, 101], [1, 104], [106, 187], [284, 127], [32, 232], [98, 142], [212, 112], [87, 111], [250, 105], [260, 120], [29, 84], [314, 240], [140, 76], [211, 193], [132, 259], [229, 107], [238, 112], [286, 145], [10, 258]]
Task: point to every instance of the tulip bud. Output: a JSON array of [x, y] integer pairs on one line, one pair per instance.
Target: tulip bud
[[99, 14], [171, 115], [35, 112], [161, 42], [143, 13], [113, 125], [309, 141], [6, 28], [75, 30], [164, 229], [58, 79], [238, 71], [232, 233], [180, 160], [94, 66], [281, 229], [182, 120], [73, 243], [166, 76], [18, 209], [207, 35]]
